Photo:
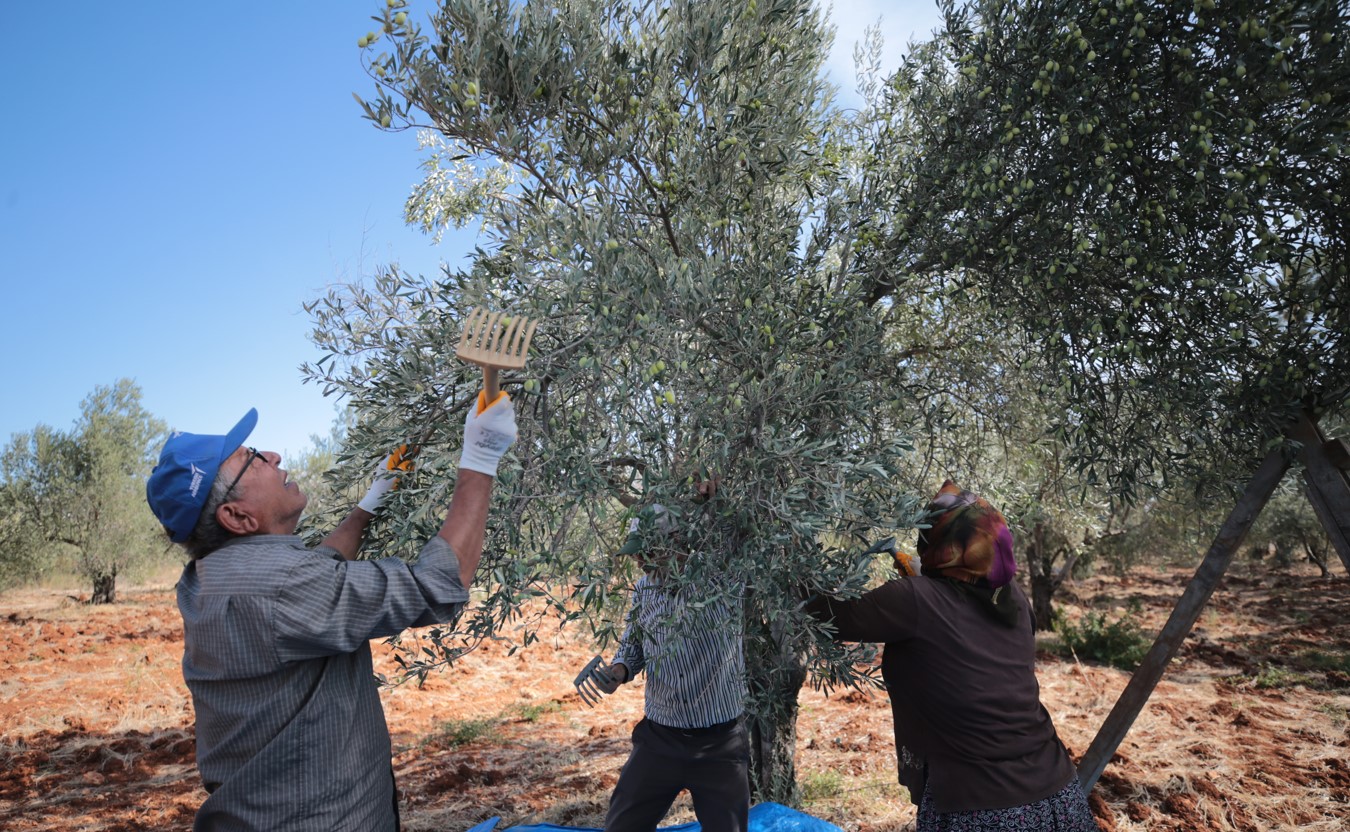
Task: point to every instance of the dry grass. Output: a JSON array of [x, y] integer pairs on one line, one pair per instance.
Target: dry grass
[[1249, 730]]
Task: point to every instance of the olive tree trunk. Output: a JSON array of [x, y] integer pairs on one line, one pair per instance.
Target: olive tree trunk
[[776, 673], [105, 589]]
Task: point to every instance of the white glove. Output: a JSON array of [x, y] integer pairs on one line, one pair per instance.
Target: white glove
[[386, 478], [488, 432]]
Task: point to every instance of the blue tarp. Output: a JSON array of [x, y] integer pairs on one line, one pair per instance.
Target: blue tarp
[[766, 817]]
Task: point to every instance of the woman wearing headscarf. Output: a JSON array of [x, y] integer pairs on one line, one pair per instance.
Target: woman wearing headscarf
[[974, 745]]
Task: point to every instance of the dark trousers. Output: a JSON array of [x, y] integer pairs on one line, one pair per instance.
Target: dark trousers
[[712, 763]]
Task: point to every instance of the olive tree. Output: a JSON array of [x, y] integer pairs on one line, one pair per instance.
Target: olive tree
[[979, 411], [331, 493], [1154, 191], [79, 496], [1289, 524], [25, 554], [668, 188], [982, 396]]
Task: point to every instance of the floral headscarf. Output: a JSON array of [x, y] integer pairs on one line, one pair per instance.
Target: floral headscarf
[[969, 540]]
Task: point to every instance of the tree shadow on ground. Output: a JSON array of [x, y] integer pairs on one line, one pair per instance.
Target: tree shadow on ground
[[111, 782]]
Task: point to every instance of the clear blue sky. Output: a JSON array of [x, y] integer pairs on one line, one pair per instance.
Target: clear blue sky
[[177, 179]]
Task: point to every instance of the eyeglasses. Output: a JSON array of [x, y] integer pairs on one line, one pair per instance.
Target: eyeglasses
[[253, 453]]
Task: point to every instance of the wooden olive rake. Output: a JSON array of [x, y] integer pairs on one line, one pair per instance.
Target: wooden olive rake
[[494, 345], [489, 343]]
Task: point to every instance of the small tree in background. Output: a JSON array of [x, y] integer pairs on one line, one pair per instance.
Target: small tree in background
[[80, 496], [25, 553], [315, 469], [981, 414], [1289, 525]]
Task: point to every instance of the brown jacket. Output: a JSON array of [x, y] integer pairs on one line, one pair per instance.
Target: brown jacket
[[964, 694]]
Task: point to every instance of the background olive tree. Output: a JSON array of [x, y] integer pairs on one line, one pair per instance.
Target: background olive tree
[[1288, 528], [331, 493], [669, 189], [981, 396], [1154, 193], [76, 499], [981, 410], [25, 555]]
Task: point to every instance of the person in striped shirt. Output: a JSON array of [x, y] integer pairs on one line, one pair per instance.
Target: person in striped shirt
[[290, 732], [691, 735]]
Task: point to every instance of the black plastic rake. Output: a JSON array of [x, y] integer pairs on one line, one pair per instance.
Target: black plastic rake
[[587, 687]]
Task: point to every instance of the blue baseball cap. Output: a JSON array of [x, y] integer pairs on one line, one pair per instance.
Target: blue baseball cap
[[181, 482]]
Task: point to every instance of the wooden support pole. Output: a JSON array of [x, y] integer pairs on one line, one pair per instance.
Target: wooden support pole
[[1184, 615], [1328, 486], [1338, 452]]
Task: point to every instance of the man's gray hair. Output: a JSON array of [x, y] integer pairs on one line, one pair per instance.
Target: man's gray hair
[[208, 535]]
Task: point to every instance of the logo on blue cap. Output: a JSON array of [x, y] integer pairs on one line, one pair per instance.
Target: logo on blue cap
[[188, 462]]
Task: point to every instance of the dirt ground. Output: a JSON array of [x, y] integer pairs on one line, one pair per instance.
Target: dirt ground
[[1249, 729]]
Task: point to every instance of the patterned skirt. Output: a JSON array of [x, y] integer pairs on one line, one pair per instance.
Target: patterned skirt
[[1065, 811]]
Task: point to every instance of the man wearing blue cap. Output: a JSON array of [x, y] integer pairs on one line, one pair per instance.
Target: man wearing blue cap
[[290, 731]]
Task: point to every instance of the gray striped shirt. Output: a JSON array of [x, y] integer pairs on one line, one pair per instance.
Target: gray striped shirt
[[690, 647], [290, 731]]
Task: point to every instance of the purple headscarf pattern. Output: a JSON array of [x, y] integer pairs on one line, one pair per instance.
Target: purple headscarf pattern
[[969, 539]]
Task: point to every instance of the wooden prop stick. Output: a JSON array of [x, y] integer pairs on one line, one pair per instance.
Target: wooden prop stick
[[1328, 487], [1184, 615]]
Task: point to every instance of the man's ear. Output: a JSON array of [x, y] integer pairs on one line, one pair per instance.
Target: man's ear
[[236, 519]]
